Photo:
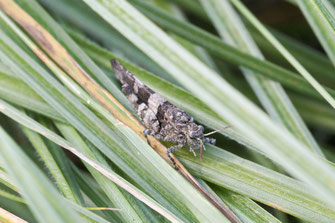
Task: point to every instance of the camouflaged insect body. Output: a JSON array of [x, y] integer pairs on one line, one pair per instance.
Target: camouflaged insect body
[[164, 120]]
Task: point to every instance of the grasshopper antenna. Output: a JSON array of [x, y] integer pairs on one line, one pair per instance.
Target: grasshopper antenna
[[218, 130]]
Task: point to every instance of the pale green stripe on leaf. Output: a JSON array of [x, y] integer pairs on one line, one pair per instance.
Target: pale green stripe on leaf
[[270, 94], [220, 96]]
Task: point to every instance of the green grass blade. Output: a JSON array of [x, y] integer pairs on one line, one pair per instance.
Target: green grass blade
[[271, 94], [220, 96], [291, 59], [209, 100], [52, 165], [216, 46], [88, 214], [16, 91], [91, 188], [290, 207], [76, 207], [18, 209], [315, 113], [51, 98], [69, 83], [174, 94], [30, 123], [6, 180], [140, 163], [112, 191], [193, 7], [245, 208], [43, 199], [259, 183], [108, 56], [11, 196], [320, 16], [314, 61], [128, 155], [32, 7], [77, 12]]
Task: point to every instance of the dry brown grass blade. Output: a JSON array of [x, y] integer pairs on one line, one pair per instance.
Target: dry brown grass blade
[[59, 54]]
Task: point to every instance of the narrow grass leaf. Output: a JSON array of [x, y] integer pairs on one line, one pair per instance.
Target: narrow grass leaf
[[40, 15], [290, 58], [320, 16], [252, 213], [65, 60], [315, 113], [16, 91], [259, 183], [91, 189], [88, 21], [270, 94], [101, 138], [112, 191], [43, 199], [248, 210], [174, 94], [313, 60], [11, 196], [220, 96], [253, 182], [216, 46], [30, 123], [51, 164]]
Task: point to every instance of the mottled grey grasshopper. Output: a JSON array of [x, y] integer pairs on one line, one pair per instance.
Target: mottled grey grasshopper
[[162, 119]]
